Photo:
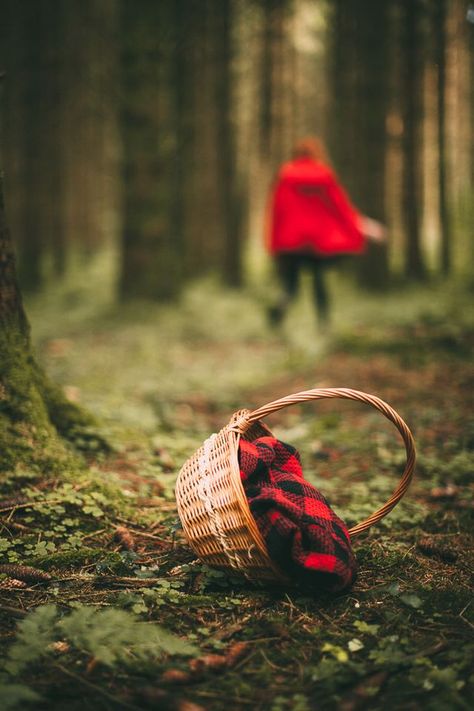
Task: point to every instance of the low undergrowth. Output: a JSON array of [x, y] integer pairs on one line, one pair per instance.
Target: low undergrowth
[[102, 603]]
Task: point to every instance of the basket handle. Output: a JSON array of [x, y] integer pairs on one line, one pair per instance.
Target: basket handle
[[346, 393]]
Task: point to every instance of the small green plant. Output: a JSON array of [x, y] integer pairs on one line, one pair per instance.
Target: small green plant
[[110, 636], [16, 695]]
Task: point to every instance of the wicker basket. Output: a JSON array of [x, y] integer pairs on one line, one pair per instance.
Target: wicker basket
[[212, 504]]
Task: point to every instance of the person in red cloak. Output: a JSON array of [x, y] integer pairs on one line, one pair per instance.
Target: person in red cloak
[[311, 223]]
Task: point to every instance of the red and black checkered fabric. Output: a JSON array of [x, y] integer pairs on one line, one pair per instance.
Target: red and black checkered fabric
[[304, 537]]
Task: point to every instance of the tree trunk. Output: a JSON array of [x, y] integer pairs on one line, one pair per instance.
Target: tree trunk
[[370, 125], [444, 217], [276, 107], [343, 140], [183, 119], [33, 411], [60, 129], [205, 242], [33, 117], [211, 202], [412, 76], [150, 255], [31, 239], [89, 121], [231, 203], [359, 68]]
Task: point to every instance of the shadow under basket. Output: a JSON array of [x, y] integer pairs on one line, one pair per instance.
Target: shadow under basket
[[211, 500]]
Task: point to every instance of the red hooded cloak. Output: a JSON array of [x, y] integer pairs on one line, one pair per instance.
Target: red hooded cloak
[[311, 213]]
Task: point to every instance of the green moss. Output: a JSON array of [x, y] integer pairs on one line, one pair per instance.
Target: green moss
[[114, 563], [70, 420], [109, 560], [34, 413], [26, 433]]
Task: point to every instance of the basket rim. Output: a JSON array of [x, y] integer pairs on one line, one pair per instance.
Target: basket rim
[[247, 418]]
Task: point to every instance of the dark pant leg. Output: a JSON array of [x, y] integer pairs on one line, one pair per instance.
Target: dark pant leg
[[320, 266], [288, 268], [321, 295]]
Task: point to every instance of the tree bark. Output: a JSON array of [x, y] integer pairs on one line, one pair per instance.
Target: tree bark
[[276, 84], [33, 411], [359, 68], [370, 125], [150, 253], [182, 78], [231, 202], [205, 242], [342, 136], [412, 75], [31, 240], [60, 130], [89, 121], [444, 217]]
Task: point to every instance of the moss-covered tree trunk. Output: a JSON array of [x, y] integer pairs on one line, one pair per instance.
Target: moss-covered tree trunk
[[34, 414]]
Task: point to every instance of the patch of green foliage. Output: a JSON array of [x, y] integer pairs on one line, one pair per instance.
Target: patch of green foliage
[[15, 696], [110, 636]]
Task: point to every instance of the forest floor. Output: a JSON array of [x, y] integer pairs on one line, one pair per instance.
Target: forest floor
[[126, 618]]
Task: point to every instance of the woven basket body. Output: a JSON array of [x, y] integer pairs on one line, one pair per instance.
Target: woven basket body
[[213, 508], [211, 500]]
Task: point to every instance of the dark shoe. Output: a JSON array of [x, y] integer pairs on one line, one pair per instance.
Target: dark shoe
[[275, 316]]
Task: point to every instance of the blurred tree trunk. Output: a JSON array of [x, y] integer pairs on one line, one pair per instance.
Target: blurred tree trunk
[[277, 83], [370, 127], [33, 136], [210, 201], [206, 244], [150, 265], [459, 137], [412, 112], [50, 189], [444, 217], [59, 129], [247, 101], [202, 91], [13, 63], [342, 136], [357, 129], [183, 118], [470, 99], [24, 64], [230, 197], [89, 124]]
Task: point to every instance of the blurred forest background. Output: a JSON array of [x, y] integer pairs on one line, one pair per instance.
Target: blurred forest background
[[150, 131]]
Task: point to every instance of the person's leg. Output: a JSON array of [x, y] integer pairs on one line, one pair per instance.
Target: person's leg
[[288, 266], [320, 290]]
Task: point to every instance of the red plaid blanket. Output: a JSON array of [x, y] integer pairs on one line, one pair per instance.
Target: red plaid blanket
[[304, 537]]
